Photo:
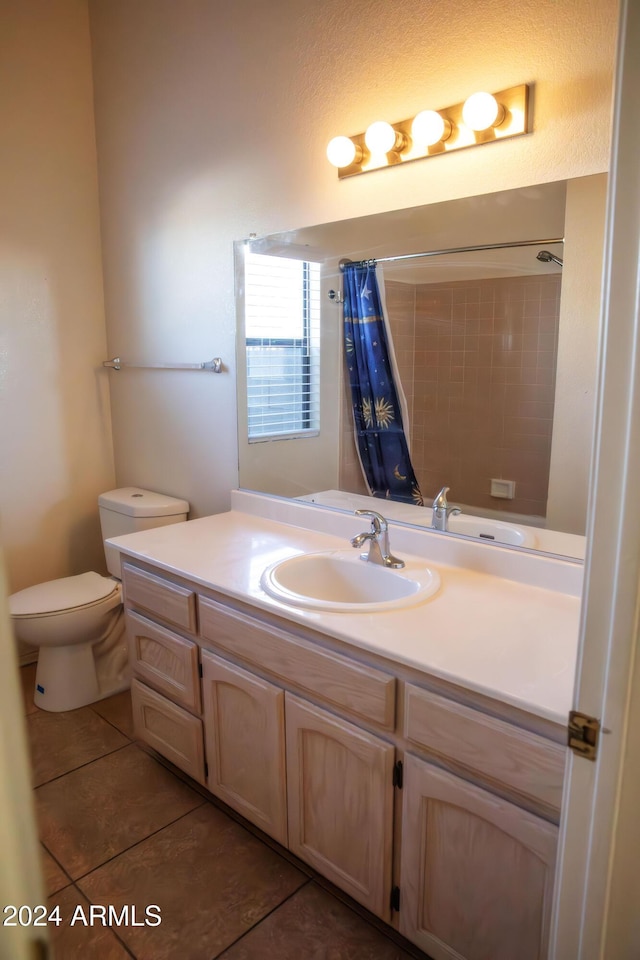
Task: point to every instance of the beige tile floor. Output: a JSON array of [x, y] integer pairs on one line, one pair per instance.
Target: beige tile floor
[[119, 827]]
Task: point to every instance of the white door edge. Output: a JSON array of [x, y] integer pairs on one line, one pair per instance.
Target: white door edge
[[594, 825]]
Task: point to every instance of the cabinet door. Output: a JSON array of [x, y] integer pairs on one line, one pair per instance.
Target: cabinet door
[[244, 735], [169, 729], [477, 871], [340, 800]]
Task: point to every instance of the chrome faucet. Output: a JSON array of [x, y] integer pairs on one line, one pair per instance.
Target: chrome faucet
[[442, 511], [378, 539]]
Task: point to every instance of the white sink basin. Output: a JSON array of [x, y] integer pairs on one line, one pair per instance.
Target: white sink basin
[[497, 531], [339, 581]]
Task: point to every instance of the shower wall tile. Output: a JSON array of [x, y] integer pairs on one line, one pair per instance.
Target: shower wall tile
[[483, 388], [477, 364]]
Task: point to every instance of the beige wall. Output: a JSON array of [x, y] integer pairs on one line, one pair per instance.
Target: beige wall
[[202, 141], [212, 122], [55, 431]]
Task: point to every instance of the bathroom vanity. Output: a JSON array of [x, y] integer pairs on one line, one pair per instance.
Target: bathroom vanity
[[414, 757]]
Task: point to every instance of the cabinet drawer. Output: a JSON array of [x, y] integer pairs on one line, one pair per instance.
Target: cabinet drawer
[[165, 660], [492, 748], [160, 597], [169, 729], [359, 690]]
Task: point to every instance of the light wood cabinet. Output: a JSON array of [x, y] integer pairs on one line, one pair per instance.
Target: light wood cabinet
[[304, 741], [498, 752], [361, 691], [340, 794], [476, 870], [169, 729], [170, 601], [164, 660], [244, 732]]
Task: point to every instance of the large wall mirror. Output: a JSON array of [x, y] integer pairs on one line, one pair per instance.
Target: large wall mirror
[[495, 351]]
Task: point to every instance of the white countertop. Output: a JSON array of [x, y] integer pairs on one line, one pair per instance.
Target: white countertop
[[495, 635]]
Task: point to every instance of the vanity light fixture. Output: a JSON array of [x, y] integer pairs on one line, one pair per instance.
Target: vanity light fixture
[[381, 137], [481, 111], [481, 118], [430, 127], [342, 152]]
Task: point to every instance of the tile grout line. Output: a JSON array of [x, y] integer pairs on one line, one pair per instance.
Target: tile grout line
[[392, 934], [57, 862], [153, 833], [385, 929], [110, 722], [88, 763], [273, 910], [108, 927]]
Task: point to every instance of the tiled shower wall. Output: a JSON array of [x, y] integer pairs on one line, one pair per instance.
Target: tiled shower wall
[[477, 361]]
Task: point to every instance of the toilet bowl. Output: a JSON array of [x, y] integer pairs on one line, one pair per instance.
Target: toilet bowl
[[77, 622], [65, 618]]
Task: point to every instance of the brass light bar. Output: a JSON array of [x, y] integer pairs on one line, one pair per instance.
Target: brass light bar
[[512, 120]]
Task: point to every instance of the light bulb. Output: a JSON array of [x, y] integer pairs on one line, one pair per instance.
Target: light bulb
[[429, 128], [481, 111], [380, 137], [341, 151]]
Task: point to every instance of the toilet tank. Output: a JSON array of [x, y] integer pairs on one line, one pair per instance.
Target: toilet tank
[[130, 509]]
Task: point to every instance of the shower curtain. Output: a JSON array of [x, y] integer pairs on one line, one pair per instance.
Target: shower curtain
[[379, 432]]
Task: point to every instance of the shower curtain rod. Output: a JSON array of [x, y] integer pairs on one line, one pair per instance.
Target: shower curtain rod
[[437, 253]]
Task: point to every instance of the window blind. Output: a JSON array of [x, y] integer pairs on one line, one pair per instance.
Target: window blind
[[282, 332]]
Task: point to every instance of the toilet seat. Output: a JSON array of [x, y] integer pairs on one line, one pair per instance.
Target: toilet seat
[[60, 597]]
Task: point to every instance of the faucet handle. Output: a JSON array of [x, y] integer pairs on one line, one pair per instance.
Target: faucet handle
[[440, 500], [378, 541], [378, 522]]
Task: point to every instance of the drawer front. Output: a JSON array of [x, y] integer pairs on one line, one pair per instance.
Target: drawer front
[[163, 599], [163, 659], [169, 729], [354, 688], [484, 745]]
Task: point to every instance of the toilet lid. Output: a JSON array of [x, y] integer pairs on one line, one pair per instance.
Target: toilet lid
[[55, 596]]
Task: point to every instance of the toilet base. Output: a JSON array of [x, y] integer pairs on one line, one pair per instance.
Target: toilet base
[[69, 682], [73, 676]]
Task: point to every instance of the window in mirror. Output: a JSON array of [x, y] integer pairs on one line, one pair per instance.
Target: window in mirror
[[282, 334]]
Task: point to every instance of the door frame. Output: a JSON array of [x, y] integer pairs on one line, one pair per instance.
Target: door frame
[[593, 917]]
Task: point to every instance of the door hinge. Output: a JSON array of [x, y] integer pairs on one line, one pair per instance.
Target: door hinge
[[206, 770], [397, 774], [199, 669], [394, 900], [583, 735]]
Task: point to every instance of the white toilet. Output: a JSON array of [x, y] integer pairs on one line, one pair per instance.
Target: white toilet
[[78, 622]]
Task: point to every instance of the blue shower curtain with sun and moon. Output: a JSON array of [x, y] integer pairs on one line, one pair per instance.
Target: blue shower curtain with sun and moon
[[379, 431]]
